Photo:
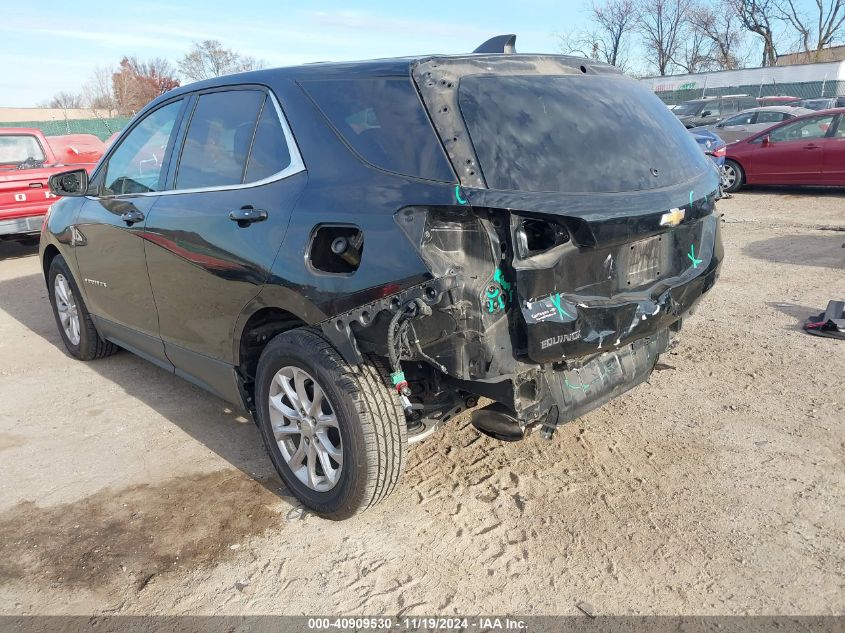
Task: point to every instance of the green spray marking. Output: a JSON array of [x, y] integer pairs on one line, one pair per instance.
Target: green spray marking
[[499, 278], [583, 387], [496, 295], [495, 301], [692, 258], [458, 196], [556, 303]]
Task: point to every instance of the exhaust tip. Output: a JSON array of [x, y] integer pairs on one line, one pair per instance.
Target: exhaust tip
[[499, 422]]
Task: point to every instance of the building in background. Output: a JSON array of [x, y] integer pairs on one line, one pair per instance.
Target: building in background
[[831, 54], [823, 79]]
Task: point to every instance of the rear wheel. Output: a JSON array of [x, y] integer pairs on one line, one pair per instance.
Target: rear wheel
[[75, 325], [335, 433], [732, 176]]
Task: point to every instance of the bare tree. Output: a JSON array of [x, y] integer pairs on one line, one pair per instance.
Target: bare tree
[[98, 91], [694, 55], [614, 19], [661, 25], [759, 17], [209, 59], [816, 30], [723, 32], [64, 100]]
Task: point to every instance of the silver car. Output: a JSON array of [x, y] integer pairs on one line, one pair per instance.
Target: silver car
[[749, 122]]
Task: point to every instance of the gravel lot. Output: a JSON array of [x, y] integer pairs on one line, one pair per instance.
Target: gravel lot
[[716, 488]]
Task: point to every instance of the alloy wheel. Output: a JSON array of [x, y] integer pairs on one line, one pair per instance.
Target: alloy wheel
[[729, 176], [305, 428], [67, 308]]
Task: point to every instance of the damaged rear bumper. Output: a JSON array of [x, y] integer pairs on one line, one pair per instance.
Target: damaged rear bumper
[[631, 291], [571, 326]]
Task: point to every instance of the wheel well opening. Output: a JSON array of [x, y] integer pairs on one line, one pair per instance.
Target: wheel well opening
[[258, 331], [49, 255]]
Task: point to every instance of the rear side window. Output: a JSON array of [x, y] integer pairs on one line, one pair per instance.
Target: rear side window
[[383, 120], [269, 154], [575, 133], [219, 136]]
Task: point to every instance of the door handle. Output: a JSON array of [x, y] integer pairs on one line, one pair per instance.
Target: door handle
[[247, 215], [811, 146], [132, 217]]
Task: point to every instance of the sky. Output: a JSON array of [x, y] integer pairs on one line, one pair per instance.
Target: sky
[[48, 46]]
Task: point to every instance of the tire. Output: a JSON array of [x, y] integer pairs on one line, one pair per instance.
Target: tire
[[82, 341], [358, 418], [732, 176]]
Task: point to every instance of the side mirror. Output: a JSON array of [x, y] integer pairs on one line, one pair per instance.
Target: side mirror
[[722, 124], [765, 141], [70, 183], [706, 113]]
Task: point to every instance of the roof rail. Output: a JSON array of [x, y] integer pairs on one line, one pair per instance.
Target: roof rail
[[500, 44]]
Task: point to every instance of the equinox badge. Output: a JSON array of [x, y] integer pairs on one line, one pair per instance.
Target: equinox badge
[[672, 218]]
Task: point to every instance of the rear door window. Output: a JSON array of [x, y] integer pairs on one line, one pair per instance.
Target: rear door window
[[216, 146], [383, 120]]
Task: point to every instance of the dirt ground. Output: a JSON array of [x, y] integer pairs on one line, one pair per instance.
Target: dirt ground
[[716, 488]]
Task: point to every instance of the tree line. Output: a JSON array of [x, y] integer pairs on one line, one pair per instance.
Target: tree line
[[662, 37], [125, 88]]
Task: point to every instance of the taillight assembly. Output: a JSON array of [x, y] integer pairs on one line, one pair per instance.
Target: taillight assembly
[[722, 151], [534, 236]]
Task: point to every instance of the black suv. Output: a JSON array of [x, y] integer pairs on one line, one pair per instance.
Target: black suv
[[356, 252], [711, 110]]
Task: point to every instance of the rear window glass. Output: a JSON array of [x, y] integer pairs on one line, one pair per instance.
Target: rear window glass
[[218, 139], [16, 149], [575, 134], [384, 121]]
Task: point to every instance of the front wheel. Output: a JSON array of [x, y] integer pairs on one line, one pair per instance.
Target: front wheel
[[335, 433], [732, 176], [75, 325]]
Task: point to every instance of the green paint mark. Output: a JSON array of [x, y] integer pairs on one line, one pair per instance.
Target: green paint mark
[[690, 198], [556, 303], [583, 387], [499, 278], [496, 294], [460, 199], [692, 258]]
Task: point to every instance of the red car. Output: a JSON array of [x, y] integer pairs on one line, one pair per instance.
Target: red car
[[27, 160], [807, 150]]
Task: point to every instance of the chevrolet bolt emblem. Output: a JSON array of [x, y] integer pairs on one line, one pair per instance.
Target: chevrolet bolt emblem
[[672, 218]]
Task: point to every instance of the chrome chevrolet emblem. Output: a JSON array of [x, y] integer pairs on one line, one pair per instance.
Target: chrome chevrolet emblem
[[672, 218]]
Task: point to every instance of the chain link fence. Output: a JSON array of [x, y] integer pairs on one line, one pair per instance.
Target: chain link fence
[[803, 90], [101, 127]]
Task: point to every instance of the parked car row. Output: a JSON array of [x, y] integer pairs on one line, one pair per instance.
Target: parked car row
[[806, 150], [755, 120], [709, 111]]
